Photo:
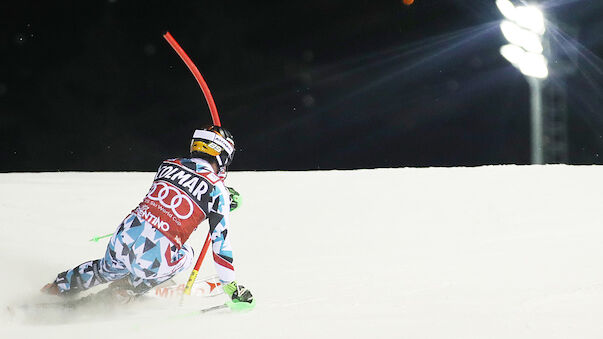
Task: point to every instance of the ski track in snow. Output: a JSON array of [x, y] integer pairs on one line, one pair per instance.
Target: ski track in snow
[[484, 252]]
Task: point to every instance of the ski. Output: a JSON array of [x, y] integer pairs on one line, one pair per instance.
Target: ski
[[169, 290], [229, 305], [213, 308]]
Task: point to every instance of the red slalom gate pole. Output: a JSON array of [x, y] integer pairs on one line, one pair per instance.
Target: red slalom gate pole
[[216, 119], [195, 272], [191, 66]]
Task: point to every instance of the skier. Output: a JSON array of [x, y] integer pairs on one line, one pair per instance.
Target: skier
[[149, 246]]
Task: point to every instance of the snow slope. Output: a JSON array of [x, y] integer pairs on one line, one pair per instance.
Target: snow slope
[[486, 252]]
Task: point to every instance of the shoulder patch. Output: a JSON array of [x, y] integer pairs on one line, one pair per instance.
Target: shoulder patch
[[211, 176]]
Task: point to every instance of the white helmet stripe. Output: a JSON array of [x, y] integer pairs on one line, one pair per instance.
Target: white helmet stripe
[[211, 136]]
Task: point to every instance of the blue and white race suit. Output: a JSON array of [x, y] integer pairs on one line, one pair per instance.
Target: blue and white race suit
[[149, 246]]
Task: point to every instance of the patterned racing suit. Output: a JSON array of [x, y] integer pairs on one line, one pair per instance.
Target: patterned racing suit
[[149, 246]]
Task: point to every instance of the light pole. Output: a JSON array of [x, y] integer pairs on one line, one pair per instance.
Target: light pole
[[536, 120], [524, 29]]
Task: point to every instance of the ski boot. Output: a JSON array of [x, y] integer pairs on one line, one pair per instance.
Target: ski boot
[[240, 297]]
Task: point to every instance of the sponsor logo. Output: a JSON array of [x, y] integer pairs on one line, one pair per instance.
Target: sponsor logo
[[197, 290], [171, 198], [183, 179], [143, 212], [212, 286]]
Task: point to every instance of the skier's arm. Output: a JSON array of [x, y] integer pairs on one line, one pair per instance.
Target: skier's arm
[[219, 222]]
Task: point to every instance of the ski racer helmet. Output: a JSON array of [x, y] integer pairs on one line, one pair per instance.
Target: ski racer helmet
[[213, 141]]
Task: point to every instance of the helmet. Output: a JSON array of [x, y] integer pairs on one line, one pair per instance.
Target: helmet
[[214, 141]]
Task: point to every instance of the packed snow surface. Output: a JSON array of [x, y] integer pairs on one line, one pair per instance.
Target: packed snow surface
[[485, 252]]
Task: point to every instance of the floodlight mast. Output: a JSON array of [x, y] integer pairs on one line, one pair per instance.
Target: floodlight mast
[[524, 28], [536, 120]]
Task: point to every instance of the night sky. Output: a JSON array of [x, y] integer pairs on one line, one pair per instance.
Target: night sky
[[92, 85]]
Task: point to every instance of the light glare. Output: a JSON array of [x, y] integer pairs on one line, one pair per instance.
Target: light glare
[[531, 18], [534, 65], [506, 8], [521, 37], [512, 53]]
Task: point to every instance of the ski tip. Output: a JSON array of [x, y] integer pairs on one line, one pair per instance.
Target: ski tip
[[241, 306]]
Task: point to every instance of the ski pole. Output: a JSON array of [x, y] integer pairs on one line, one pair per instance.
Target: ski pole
[[97, 238]]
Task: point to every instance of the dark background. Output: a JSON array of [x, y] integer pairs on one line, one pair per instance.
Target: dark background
[[92, 85]]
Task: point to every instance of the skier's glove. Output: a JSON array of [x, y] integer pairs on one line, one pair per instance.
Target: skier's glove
[[235, 198], [238, 293]]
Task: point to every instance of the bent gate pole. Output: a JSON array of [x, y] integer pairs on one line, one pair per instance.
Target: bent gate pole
[[191, 66]]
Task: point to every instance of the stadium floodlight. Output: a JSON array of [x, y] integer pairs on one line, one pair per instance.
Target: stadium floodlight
[[530, 64], [512, 53], [507, 9], [531, 18], [524, 28], [534, 65], [524, 38]]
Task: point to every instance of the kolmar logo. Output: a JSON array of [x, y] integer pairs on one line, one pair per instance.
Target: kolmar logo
[[171, 198]]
